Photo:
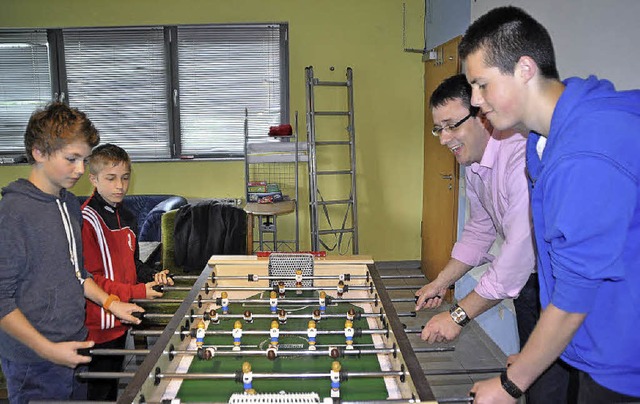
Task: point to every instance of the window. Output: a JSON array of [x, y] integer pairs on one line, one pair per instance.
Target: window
[[159, 92], [25, 84]]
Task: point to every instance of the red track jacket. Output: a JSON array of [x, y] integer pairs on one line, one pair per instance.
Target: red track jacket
[[109, 245]]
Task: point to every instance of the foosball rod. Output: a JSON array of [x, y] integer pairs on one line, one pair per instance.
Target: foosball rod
[[358, 332], [273, 316], [256, 278], [207, 289], [329, 300], [320, 348], [238, 375]]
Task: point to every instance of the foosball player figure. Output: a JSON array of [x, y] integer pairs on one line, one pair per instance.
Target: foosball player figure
[[206, 353], [316, 316], [311, 335], [298, 282], [351, 314], [282, 316], [323, 302], [348, 333], [274, 333], [224, 302], [247, 378], [237, 335], [273, 302], [272, 353], [200, 332], [335, 379], [248, 316], [281, 289], [340, 289], [213, 317]]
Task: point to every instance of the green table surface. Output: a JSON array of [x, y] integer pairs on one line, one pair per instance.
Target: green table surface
[[353, 389]]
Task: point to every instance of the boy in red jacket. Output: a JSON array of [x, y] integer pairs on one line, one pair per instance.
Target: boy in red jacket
[[111, 255]]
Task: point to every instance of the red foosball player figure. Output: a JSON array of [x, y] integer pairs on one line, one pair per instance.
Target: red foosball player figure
[[340, 288], [311, 335], [348, 334], [281, 289], [282, 316], [247, 378], [273, 302], [224, 302], [237, 335], [274, 333], [335, 379], [323, 302], [298, 282], [200, 332]]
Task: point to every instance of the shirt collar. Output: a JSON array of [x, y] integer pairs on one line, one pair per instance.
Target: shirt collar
[[489, 156]]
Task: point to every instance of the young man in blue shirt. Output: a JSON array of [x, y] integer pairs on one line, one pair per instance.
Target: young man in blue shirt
[[582, 159]]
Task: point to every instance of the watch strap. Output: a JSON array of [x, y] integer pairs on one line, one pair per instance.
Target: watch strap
[[509, 386]]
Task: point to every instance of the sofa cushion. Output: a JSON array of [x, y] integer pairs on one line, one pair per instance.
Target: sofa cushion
[[151, 229]]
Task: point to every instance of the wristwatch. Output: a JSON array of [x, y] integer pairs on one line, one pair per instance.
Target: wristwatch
[[459, 316]]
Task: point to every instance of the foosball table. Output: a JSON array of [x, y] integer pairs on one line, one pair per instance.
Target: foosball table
[[287, 328]]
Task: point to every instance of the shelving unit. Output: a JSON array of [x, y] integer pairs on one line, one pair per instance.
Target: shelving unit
[[275, 161]]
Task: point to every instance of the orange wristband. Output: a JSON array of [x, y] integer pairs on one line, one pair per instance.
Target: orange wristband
[[110, 299]]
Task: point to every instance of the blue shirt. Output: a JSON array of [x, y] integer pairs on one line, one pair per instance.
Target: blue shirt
[[585, 198]]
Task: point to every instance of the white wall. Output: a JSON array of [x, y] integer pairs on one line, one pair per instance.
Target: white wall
[[590, 36]]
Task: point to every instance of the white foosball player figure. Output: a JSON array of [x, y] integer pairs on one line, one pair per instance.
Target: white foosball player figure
[[237, 335], [312, 332], [274, 333], [298, 282], [273, 302], [351, 314], [247, 378], [322, 300], [281, 290], [200, 332], [316, 316], [335, 379], [224, 302], [348, 334]]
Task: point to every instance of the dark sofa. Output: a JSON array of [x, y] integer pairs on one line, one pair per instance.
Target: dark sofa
[[149, 210]]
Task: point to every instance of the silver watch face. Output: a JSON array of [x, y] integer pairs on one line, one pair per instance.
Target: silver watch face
[[458, 315]]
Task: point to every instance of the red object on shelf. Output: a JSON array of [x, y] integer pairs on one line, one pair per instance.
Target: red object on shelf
[[281, 130], [264, 254]]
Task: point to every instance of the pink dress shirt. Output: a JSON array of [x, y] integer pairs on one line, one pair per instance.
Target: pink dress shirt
[[498, 195]]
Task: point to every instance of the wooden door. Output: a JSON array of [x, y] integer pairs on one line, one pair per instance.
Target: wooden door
[[440, 177]]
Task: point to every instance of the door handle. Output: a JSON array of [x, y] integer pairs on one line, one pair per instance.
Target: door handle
[[446, 176]]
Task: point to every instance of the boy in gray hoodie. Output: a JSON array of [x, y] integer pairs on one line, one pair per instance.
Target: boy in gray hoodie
[[43, 283]]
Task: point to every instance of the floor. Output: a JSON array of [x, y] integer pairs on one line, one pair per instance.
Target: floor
[[473, 349]]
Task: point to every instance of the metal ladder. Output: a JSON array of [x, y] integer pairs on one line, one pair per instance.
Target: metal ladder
[[316, 147]]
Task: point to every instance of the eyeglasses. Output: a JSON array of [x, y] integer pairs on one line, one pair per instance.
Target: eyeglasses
[[437, 131]]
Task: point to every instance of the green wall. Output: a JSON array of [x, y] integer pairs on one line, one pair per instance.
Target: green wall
[[366, 35]]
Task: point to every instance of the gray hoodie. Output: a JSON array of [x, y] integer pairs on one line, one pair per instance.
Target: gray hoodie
[[41, 270]]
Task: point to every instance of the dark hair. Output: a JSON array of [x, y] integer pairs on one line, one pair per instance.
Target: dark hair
[[57, 125], [106, 154], [506, 34], [453, 88]]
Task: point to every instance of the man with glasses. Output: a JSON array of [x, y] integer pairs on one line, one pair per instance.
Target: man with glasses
[[497, 191]]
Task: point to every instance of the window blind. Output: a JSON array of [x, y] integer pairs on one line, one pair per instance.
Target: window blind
[[224, 70], [119, 78], [25, 84]]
